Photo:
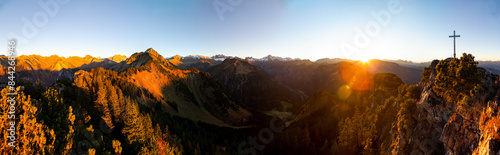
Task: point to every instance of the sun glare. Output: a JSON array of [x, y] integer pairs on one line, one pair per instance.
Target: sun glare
[[364, 60]]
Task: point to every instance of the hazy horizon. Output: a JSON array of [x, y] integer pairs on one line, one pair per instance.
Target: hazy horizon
[[313, 60]]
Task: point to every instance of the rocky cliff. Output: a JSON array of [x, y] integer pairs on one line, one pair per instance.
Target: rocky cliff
[[443, 128]]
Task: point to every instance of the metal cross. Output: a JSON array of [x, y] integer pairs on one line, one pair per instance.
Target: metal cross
[[454, 36]]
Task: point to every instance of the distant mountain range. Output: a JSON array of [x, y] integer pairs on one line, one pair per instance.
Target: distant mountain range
[[215, 103], [255, 84], [406, 70]]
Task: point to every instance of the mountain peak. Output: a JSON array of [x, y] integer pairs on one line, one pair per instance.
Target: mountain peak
[[141, 58], [118, 58], [238, 66], [149, 54], [152, 51], [235, 61]]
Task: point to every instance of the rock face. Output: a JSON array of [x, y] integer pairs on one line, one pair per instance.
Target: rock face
[[475, 130], [431, 117], [460, 135], [489, 124], [442, 128]]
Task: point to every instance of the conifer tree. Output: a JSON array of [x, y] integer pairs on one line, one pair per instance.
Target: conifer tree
[[457, 79], [32, 137], [71, 132], [117, 146], [115, 99], [101, 103], [134, 125], [58, 117]]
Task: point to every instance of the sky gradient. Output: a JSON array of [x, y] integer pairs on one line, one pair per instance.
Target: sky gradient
[[294, 28]]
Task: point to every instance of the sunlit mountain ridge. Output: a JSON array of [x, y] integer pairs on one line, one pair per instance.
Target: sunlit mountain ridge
[[213, 104]]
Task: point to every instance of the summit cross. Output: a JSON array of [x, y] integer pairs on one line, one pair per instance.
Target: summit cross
[[454, 36]]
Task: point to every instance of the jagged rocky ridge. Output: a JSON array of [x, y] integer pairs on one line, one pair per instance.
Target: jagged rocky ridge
[[47, 70], [187, 93]]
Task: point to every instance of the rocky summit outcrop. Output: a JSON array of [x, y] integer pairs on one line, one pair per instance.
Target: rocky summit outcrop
[[430, 118], [489, 124], [443, 128], [474, 130]]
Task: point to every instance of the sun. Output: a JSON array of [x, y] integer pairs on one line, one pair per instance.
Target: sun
[[364, 60]]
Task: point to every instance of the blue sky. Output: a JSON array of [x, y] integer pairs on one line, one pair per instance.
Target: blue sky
[[293, 28]]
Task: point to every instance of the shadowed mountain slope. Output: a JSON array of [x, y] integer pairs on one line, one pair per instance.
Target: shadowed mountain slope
[[157, 84], [253, 87]]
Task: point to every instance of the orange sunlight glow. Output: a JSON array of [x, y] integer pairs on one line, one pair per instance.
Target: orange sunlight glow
[[344, 92], [364, 60], [356, 77]]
